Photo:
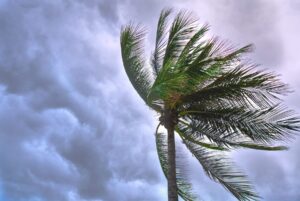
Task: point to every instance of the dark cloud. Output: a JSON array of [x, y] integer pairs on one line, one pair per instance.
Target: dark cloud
[[69, 128], [71, 125], [274, 173], [245, 22], [255, 22]]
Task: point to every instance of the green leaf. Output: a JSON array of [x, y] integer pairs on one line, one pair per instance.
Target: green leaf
[[272, 124], [182, 28], [220, 169], [189, 138], [243, 85], [133, 61], [192, 48], [161, 40], [195, 132]]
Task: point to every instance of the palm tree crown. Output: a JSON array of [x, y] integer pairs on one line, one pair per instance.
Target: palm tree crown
[[212, 97]]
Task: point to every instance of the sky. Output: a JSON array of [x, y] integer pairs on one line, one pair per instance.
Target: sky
[[72, 128]]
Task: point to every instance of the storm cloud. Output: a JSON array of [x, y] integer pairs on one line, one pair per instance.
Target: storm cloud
[[73, 128]]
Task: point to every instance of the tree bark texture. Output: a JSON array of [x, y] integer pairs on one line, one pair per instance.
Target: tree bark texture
[[172, 186]]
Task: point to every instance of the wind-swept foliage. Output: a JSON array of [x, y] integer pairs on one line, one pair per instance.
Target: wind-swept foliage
[[219, 168], [161, 40], [208, 93], [132, 53]]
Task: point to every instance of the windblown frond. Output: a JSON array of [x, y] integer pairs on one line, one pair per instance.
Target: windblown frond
[[189, 137], [184, 187], [218, 51], [214, 60], [265, 126], [183, 26], [169, 77], [161, 40], [243, 86], [132, 37], [192, 63], [196, 132], [220, 169], [192, 48]]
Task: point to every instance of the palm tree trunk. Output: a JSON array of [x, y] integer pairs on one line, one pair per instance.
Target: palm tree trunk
[[172, 186]]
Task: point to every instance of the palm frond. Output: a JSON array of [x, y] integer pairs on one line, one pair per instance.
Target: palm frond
[[215, 52], [131, 46], [220, 169], [182, 133], [265, 126], [192, 47], [195, 132], [184, 187], [169, 78], [161, 40], [244, 86], [131, 40], [181, 31]]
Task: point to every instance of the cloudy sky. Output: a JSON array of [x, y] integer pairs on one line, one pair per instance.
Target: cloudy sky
[[72, 127]]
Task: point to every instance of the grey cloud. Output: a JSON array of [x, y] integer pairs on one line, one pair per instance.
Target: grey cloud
[[26, 165], [274, 173], [245, 22], [64, 110], [256, 22]]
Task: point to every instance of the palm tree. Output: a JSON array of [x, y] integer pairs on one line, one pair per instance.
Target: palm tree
[[208, 94]]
